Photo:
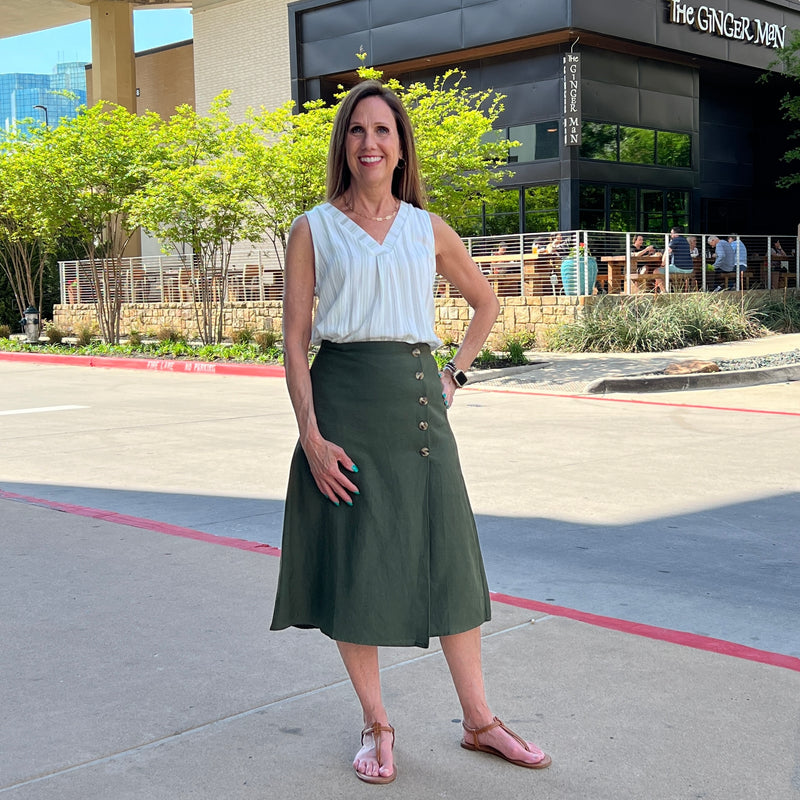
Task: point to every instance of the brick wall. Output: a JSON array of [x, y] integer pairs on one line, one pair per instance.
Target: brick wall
[[241, 45]]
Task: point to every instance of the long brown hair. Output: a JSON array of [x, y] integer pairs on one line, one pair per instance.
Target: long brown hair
[[406, 183]]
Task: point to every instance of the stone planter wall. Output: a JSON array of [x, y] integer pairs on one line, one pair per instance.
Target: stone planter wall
[[517, 314], [532, 314]]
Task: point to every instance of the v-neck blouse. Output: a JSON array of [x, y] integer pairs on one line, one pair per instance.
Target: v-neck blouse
[[371, 291]]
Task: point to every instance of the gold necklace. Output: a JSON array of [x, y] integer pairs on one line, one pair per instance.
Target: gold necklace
[[349, 206]]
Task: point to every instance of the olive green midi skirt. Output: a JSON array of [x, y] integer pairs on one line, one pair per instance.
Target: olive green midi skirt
[[403, 563]]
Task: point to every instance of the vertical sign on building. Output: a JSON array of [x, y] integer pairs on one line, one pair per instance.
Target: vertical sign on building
[[572, 100]]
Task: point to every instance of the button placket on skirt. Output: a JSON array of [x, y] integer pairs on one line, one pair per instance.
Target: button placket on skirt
[[423, 417]]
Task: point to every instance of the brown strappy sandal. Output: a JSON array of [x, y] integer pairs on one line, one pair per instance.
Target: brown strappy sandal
[[543, 762], [377, 730]]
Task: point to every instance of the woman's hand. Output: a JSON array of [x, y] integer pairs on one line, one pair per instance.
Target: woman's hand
[[448, 387], [327, 460]]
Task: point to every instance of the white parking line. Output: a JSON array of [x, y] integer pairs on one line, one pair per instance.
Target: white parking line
[[38, 410]]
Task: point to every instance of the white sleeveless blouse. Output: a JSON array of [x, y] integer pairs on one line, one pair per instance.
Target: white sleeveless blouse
[[369, 291]]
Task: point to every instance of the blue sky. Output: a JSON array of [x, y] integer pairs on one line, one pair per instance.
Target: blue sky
[[40, 52]]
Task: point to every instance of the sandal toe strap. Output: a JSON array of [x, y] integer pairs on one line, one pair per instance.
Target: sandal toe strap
[[376, 729]]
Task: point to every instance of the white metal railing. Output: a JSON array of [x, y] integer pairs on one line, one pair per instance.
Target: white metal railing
[[251, 275], [527, 264], [534, 263]]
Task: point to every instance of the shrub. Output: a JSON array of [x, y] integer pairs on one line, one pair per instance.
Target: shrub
[[5, 332], [777, 312], [135, 339], [242, 336], [54, 333], [486, 358], [84, 334], [515, 345], [169, 334], [652, 324], [266, 340]]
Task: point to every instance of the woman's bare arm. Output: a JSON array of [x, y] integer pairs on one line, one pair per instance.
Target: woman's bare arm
[[454, 263], [324, 457]]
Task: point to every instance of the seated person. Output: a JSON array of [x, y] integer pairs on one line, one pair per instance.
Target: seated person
[[505, 287], [779, 253], [678, 257], [739, 252], [639, 248], [557, 246], [723, 260], [693, 251]]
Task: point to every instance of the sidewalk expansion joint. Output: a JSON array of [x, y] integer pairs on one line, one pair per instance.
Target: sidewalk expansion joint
[[174, 737]]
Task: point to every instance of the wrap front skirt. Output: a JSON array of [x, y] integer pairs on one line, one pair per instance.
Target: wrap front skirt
[[403, 563]]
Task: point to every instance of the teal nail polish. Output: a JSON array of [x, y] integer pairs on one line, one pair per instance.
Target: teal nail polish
[[354, 468], [349, 502], [356, 492], [336, 503]]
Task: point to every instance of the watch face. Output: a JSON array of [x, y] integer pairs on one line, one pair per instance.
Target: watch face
[[459, 377]]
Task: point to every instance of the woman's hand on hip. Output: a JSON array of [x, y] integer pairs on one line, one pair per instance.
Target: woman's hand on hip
[[329, 466], [448, 387]]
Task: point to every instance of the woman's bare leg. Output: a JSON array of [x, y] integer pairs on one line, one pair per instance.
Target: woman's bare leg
[[463, 654], [361, 663]]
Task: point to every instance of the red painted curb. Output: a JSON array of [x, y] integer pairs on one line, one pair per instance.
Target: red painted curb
[[143, 524], [151, 364], [682, 638]]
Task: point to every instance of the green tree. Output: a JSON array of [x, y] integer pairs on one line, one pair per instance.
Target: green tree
[[789, 61], [288, 161], [93, 166], [202, 192], [24, 233], [460, 165]]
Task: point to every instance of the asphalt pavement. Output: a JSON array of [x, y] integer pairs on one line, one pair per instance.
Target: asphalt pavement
[[137, 591]]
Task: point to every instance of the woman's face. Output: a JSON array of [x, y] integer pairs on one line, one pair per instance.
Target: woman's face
[[638, 241], [373, 144]]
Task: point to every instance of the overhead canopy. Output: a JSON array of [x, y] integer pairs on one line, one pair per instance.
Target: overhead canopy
[[38, 15], [114, 70]]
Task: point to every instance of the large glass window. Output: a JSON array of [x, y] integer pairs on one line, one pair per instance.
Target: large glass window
[[537, 141], [677, 206], [637, 145], [625, 208], [599, 141], [541, 208], [622, 209], [592, 209], [502, 213], [608, 142], [674, 149]]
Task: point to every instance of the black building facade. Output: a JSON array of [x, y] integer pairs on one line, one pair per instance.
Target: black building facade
[[660, 120]]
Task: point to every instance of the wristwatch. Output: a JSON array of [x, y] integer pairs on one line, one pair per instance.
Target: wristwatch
[[459, 376]]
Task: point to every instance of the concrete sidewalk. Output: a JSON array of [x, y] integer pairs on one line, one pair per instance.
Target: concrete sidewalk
[[580, 373], [139, 665]]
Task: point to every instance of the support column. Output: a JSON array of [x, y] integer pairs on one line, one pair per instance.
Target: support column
[[113, 66]]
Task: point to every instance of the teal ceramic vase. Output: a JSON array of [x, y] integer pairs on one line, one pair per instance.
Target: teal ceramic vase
[[580, 280]]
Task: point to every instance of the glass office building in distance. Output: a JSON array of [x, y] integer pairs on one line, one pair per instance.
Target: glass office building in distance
[[42, 98]]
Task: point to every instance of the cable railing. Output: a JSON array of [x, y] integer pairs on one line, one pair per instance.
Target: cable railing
[[561, 263], [251, 275], [588, 262]]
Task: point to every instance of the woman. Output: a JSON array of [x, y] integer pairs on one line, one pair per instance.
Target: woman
[[379, 542]]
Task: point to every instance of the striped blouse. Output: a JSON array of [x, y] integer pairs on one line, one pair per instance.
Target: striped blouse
[[369, 291]]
